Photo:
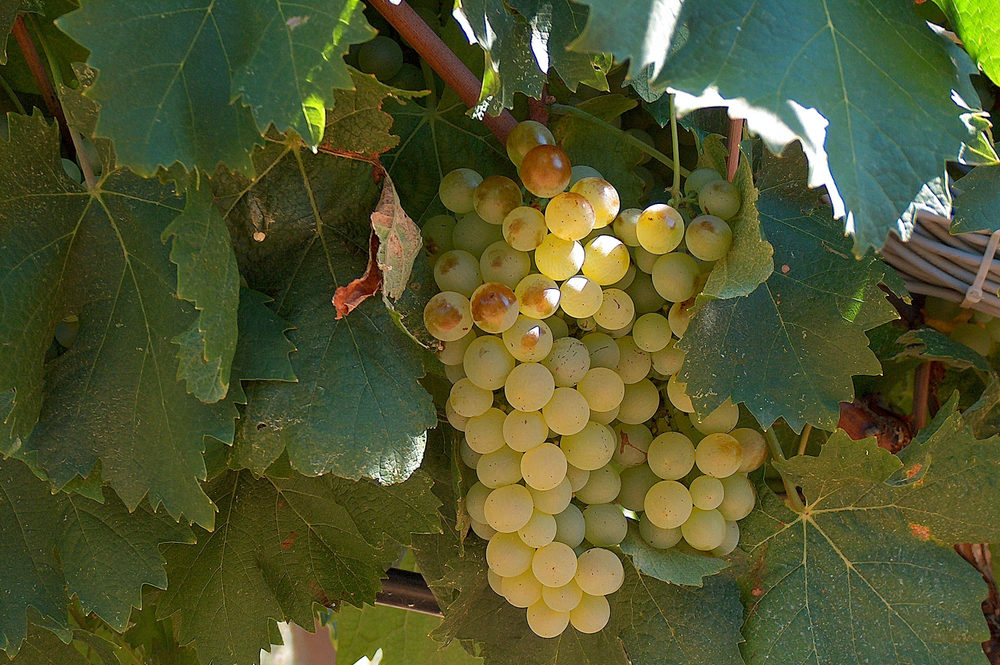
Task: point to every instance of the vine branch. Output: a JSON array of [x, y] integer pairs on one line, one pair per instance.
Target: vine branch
[[777, 453], [733, 144], [27, 46]]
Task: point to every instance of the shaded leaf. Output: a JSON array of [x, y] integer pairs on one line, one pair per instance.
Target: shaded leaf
[[8, 12], [44, 647], [674, 565], [976, 206], [929, 344]]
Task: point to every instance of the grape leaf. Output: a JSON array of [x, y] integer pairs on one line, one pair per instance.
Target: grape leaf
[[43, 647], [399, 241], [8, 12], [63, 50], [402, 636], [860, 576], [357, 409], [976, 206], [156, 639], [929, 344], [357, 123], [207, 277], [113, 396], [674, 565], [193, 82], [69, 545], [978, 26], [285, 544]]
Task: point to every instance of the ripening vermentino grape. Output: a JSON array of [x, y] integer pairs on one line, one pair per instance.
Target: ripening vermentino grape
[[558, 314]]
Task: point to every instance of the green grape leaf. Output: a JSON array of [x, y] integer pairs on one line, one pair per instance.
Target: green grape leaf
[[156, 638], [978, 26], [436, 137], [43, 647], [749, 262], [402, 636], [286, 543], [862, 575], [929, 344], [191, 83], [64, 51], [790, 348], [976, 205], [357, 124], [675, 565], [813, 71], [207, 277], [113, 396], [69, 545], [357, 409], [263, 350]]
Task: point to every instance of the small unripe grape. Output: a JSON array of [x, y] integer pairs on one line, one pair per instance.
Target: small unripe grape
[[495, 197], [494, 307], [545, 171], [602, 196], [581, 171], [659, 229], [473, 234], [381, 56], [570, 216], [699, 178], [447, 316], [438, 233], [456, 190], [525, 136], [524, 228], [720, 198]]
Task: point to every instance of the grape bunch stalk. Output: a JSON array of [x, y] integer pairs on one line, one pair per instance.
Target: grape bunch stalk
[[558, 314]]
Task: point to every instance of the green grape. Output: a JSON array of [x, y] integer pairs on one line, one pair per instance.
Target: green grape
[[473, 234], [602, 486], [754, 448], [569, 361], [495, 197], [603, 197], [706, 492], [524, 228], [554, 564], [544, 467], [470, 400], [525, 136], [627, 280], [538, 298], [677, 394], [644, 260], [704, 529], [557, 258], [546, 622], [457, 270], [470, 457], [528, 340], [633, 442], [447, 316], [545, 171], [698, 179], [558, 326], [539, 531], [454, 373], [605, 417], [590, 448], [567, 412], [640, 402], [723, 419], [605, 524], [570, 526], [508, 508], [708, 238], [502, 263], [660, 229], [522, 431], [529, 387], [475, 499], [675, 276], [603, 388], [555, 500], [651, 332], [564, 598], [501, 467], [591, 615], [603, 350], [67, 330], [483, 530], [668, 504], [569, 216], [662, 539], [587, 325], [456, 190], [495, 581], [634, 363], [671, 455], [580, 297], [973, 336], [521, 590], [438, 233], [616, 310], [494, 307], [507, 556], [668, 360], [718, 455], [679, 317], [636, 483], [484, 432], [720, 198], [577, 477], [381, 56], [625, 224], [409, 77], [72, 170], [739, 497], [454, 419], [599, 572], [580, 171], [487, 362], [606, 260], [643, 294], [731, 540]]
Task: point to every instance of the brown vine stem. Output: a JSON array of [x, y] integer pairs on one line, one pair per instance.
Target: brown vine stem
[[777, 453], [453, 71], [921, 395], [27, 46], [733, 144]]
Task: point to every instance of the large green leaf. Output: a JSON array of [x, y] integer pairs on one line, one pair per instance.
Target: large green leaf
[[976, 206], [859, 576], [402, 636], [978, 26], [192, 81], [113, 396], [286, 543], [43, 647], [57, 546]]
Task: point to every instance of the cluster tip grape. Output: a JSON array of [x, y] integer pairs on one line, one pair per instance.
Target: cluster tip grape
[[558, 314]]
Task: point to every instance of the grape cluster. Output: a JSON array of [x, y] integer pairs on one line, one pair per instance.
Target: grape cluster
[[558, 316]]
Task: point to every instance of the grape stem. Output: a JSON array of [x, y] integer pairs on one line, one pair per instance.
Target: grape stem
[[564, 109], [735, 136], [675, 187], [778, 454], [436, 53], [804, 439], [13, 96]]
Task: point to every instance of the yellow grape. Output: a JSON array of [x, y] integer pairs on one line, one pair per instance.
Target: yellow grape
[[538, 297], [524, 228], [569, 216], [494, 307], [456, 190], [558, 258], [580, 296], [545, 171], [660, 229], [606, 260], [495, 197], [603, 197], [447, 316], [525, 136]]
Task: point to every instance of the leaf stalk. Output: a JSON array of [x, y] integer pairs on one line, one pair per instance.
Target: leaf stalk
[[793, 499]]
